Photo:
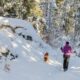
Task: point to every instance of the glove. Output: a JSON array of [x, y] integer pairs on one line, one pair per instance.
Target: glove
[[61, 48]]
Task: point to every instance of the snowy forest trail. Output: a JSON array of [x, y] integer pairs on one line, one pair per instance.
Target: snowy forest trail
[[30, 64]]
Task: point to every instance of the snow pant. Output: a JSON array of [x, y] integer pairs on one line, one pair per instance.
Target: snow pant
[[65, 62]]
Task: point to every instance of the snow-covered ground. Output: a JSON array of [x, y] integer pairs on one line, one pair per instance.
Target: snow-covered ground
[[30, 65]]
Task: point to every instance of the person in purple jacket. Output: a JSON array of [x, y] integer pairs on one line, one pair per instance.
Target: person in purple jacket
[[67, 51]]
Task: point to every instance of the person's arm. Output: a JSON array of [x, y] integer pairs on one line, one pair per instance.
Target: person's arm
[[71, 51], [61, 49]]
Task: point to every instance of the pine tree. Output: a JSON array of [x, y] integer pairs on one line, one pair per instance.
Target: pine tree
[[17, 8]]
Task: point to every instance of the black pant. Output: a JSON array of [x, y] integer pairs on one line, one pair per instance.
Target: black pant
[[65, 62]]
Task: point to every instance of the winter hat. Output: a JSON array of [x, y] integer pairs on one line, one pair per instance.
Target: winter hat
[[67, 42]]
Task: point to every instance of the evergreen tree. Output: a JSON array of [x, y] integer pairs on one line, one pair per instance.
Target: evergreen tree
[[17, 8]]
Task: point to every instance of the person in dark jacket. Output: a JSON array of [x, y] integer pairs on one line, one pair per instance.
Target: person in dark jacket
[[67, 51]]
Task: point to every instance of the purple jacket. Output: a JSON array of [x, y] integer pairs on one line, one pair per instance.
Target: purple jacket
[[67, 50]]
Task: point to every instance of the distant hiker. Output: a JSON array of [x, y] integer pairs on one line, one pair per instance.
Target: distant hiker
[[46, 57], [67, 50]]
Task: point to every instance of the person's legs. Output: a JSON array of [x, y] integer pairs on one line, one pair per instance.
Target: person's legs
[[65, 62]]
